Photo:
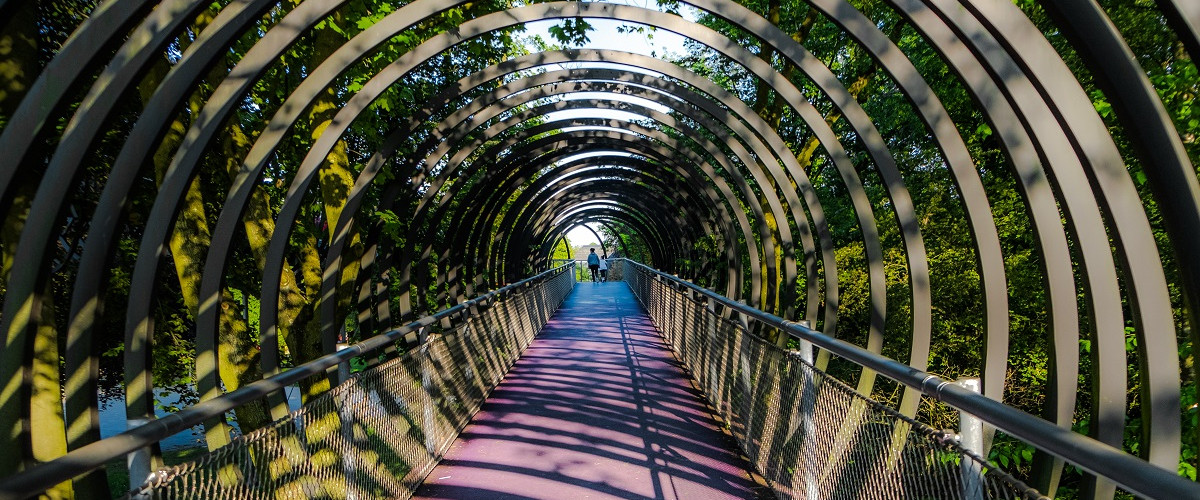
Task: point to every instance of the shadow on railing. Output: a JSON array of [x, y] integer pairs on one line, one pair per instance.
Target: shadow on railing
[[814, 437], [375, 435]]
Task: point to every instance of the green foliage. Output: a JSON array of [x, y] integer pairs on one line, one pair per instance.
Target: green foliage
[[390, 224], [958, 311], [562, 251], [571, 31], [1011, 454]]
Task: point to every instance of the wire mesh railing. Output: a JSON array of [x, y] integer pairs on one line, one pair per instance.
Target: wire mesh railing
[[379, 433], [812, 436], [375, 435]]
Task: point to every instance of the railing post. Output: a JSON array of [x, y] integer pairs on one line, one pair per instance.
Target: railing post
[[138, 462], [428, 418], [970, 437], [351, 398], [691, 313], [808, 400], [710, 338], [343, 368], [743, 366]]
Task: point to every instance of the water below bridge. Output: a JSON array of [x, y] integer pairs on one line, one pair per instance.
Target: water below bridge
[[599, 408]]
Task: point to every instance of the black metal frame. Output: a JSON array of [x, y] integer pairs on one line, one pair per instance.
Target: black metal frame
[[1133, 474], [95, 455], [1083, 206]]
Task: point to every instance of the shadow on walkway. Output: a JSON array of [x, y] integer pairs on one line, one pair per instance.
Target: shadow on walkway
[[597, 408]]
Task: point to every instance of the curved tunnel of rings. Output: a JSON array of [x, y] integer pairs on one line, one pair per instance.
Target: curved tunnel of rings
[[488, 173]]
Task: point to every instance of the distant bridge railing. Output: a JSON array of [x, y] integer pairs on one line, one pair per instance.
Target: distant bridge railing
[[813, 437], [375, 435]]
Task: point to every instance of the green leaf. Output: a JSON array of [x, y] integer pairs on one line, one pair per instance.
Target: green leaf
[[983, 130]]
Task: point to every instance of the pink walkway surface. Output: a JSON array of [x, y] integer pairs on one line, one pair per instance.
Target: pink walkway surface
[[597, 408]]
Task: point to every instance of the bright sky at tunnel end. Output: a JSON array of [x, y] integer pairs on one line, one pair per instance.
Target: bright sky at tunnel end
[[580, 235]]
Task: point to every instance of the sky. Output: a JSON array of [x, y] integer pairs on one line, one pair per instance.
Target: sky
[[604, 35], [581, 236]]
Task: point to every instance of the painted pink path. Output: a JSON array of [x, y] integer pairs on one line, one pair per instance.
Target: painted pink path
[[597, 408]]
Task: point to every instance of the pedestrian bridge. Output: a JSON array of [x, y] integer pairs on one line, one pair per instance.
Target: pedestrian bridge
[[644, 388], [596, 407], [633, 389], [875, 248]]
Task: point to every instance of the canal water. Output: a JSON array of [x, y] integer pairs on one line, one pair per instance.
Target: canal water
[[112, 415]]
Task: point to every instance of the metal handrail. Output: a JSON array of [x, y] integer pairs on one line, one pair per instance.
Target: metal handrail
[[1131, 473], [89, 457]]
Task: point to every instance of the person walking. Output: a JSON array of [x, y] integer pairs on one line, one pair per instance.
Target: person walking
[[604, 268], [593, 264]]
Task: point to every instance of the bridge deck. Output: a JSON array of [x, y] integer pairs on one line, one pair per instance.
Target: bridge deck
[[597, 408]]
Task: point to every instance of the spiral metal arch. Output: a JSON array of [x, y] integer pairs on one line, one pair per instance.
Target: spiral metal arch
[[712, 167]]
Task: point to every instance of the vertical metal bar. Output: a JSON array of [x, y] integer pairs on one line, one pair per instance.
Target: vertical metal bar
[[343, 368], [808, 399], [428, 417], [351, 399], [710, 329], [138, 462], [970, 437]]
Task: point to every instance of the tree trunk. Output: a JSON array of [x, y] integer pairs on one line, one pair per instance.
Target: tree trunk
[[34, 429]]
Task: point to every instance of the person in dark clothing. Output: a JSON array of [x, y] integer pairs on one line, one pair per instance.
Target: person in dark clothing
[[593, 264]]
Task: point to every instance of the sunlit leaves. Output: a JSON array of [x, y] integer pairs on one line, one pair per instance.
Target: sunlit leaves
[[571, 31]]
